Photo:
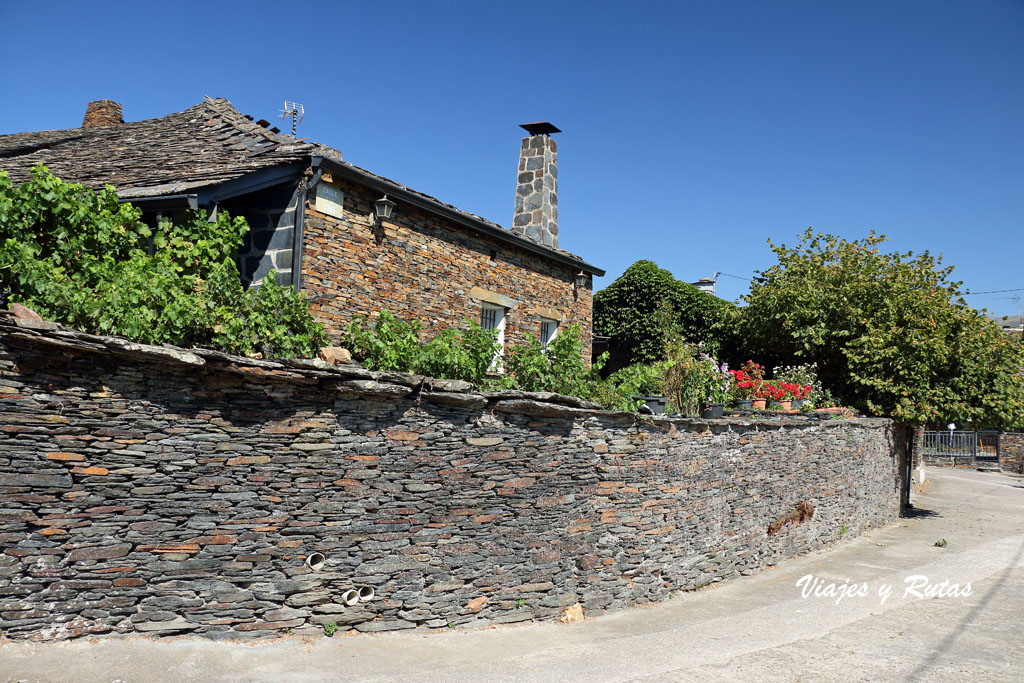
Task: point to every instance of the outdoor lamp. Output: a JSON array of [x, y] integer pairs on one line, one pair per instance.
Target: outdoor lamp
[[581, 279], [383, 207]]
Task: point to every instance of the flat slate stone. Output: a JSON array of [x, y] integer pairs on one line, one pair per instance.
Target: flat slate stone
[[179, 624]]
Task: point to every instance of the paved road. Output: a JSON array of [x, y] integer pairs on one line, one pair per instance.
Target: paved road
[[756, 628]]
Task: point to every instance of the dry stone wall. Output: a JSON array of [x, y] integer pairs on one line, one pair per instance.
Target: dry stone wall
[[1011, 452], [162, 491]]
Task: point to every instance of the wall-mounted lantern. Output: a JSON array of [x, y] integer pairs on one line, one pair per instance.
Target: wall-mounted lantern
[[581, 280], [382, 208]]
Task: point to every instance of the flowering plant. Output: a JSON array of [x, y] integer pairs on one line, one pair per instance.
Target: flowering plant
[[694, 378], [790, 391], [747, 380], [772, 391], [803, 378]]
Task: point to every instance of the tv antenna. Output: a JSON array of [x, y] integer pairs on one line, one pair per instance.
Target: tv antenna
[[296, 111]]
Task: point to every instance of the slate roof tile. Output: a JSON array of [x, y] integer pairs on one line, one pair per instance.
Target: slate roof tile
[[205, 145]]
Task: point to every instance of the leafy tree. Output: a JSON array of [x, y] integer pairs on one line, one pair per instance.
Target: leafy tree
[[890, 332], [86, 260], [646, 305]]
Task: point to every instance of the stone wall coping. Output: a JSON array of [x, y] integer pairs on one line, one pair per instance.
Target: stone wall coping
[[351, 378]]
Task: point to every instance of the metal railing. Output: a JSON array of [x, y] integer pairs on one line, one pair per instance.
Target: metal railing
[[988, 446], [951, 444]]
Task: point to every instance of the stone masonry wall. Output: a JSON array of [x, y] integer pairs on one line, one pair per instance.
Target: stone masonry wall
[[419, 267], [1011, 452], [536, 206], [163, 491]]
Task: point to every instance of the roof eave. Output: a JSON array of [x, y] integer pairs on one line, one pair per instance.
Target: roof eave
[[163, 202], [355, 174]]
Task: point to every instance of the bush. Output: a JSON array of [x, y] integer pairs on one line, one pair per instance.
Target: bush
[[387, 344], [628, 311], [641, 379], [694, 379], [468, 354], [559, 368], [393, 344], [890, 332], [465, 354], [81, 258]]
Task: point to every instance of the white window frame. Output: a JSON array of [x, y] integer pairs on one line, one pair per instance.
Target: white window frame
[[499, 324], [554, 330]]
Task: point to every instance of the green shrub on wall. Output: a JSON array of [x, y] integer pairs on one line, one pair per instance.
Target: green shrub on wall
[[392, 344], [469, 354], [628, 311], [642, 379], [82, 258], [557, 366]]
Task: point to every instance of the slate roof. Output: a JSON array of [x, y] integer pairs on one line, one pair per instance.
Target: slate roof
[[1007, 322], [205, 145]]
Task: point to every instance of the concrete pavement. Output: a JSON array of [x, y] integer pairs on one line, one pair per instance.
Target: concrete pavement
[[755, 628]]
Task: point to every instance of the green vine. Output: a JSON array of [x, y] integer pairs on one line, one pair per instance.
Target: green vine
[[86, 260]]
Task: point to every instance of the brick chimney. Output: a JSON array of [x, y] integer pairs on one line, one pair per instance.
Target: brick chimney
[[102, 113], [536, 215]]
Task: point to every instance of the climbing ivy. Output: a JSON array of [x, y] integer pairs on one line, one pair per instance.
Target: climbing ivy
[[646, 305]]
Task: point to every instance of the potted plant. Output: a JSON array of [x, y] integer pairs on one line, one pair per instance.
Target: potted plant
[[746, 385], [643, 383], [804, 378], [694, 381], [800, 395], [719, 383]]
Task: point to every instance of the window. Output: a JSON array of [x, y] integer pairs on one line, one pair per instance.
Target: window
[[493, 318], [548, 329]]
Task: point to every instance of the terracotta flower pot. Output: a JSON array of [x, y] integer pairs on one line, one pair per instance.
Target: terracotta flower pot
[[785, 405], [759, 403]]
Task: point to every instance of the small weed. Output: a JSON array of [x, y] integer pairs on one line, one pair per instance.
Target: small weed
[[287, 630], [941, 543], [843, 528], [451, 625], [330, 628], [520, 602]]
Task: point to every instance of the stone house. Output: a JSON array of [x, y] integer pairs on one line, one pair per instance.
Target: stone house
[[354, 242]]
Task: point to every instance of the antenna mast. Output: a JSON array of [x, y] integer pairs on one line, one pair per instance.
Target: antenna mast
[[296, 111]]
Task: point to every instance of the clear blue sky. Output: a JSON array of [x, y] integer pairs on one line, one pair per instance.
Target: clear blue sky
[[694, 131]]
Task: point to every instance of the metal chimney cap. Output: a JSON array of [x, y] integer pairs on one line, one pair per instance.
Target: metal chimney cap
[[539, 128]]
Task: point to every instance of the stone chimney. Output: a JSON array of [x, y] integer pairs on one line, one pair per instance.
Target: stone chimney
[[536, 215], [102, 113]]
